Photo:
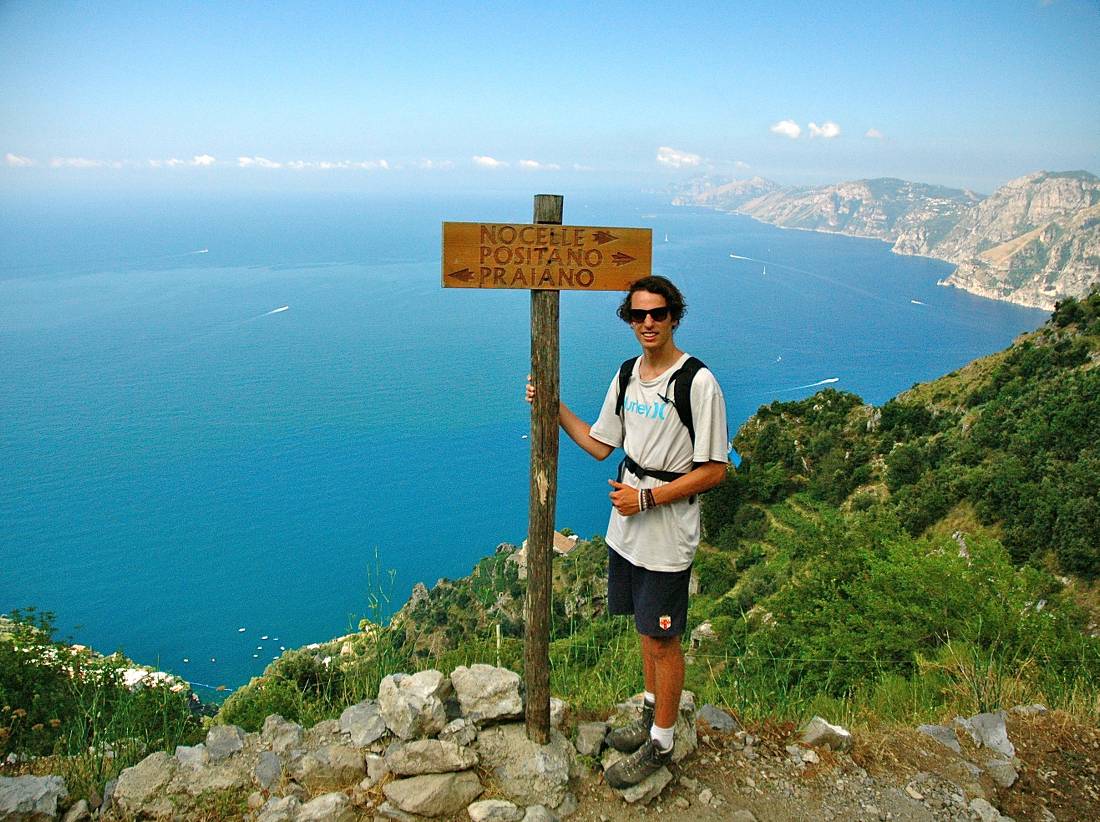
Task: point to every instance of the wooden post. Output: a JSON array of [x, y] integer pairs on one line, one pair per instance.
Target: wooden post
[[544, 491]]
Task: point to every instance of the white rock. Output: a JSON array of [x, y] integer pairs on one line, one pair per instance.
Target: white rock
[[590, 737], [194, 756], [942, 734], [434, 794], [329, 807], [494, 810], [990, 730], [985, 811], [820, 732], [526, 772], [363, 722], [413, 706], [1003, 773], [460, 731], [280, 809], [539, 813], [223, 741], [331, 767], [140, 785], [558, 708], [280, 734], [268, 769], [31, 797], [422, 756], [485, 692]]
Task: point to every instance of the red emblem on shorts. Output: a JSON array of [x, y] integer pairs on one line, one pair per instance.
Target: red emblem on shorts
[[665, 622]]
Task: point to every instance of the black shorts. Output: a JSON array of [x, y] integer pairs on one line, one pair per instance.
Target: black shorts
[[658, 599]]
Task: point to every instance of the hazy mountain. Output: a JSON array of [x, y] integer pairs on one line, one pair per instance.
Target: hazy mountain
[[1035, 241]]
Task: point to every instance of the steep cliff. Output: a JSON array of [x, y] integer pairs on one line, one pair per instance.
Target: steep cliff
[[1035, 241]]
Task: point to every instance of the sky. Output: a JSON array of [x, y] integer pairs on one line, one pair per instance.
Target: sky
[[457, 95]]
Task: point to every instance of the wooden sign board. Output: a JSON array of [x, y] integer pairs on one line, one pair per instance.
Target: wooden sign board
[[548, 257]]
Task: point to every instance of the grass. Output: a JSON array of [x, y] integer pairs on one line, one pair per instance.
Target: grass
[[68, 712]]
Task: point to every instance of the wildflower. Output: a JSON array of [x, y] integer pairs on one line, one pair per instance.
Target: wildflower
[[19, 713], [38, 726], [55, 723]]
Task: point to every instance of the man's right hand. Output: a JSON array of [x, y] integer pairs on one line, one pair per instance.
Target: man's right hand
[[530, 392]]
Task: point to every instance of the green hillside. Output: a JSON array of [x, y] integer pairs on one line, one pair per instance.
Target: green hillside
[[901, 563], [1010, 444]]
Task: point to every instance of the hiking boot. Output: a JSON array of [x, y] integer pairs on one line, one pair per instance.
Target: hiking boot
[[630, 737], [631, 770]]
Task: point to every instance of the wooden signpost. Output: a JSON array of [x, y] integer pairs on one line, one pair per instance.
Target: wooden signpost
[[545, 257]]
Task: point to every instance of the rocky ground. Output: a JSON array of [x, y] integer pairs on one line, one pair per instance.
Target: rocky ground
[[451, 748], [889, 774]]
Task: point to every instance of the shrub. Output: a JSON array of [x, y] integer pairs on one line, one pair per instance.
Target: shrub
[[74, 704]]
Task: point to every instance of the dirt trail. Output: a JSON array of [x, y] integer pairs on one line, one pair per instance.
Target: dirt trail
[[888, 775]]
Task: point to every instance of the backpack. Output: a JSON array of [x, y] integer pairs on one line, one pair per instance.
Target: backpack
[[680, 381]]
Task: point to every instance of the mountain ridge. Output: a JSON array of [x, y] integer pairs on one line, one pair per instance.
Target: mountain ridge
[[1035, 241]]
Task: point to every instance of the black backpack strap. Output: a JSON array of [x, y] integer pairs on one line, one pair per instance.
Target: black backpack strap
[[666, 476], [681, 392], [625, 371]]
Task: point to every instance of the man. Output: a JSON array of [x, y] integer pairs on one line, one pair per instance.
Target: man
[[654, 527]]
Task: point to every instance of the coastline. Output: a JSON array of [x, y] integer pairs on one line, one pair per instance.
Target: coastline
[[952, 280]]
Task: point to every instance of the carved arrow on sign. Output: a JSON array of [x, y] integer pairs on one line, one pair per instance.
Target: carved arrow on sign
[[464, 274], [621, 259], [602, 237]]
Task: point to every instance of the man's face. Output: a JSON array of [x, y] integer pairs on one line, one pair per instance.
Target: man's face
[[652, 334]]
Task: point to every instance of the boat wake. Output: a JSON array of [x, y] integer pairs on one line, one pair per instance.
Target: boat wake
[[278, 310], [827, 381]]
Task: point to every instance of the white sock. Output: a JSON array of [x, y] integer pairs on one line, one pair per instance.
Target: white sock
[[650, 699], [661, 736]]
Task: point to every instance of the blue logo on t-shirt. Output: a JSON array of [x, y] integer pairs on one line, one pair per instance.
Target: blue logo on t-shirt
[[652, 411]]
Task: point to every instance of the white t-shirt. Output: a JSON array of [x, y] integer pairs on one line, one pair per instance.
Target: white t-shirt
[[663, 538]]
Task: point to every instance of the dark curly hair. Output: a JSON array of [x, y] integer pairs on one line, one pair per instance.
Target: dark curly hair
[[656, 284]]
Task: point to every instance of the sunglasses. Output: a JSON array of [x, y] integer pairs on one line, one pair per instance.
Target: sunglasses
[[659, 315]]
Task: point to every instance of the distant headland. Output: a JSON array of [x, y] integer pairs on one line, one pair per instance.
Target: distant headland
[[1035, 241]]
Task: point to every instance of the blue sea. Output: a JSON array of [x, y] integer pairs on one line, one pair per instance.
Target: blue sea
[[180, 460]]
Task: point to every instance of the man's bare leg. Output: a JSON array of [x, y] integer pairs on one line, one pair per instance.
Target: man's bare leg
[[666, 656], [649, 667]]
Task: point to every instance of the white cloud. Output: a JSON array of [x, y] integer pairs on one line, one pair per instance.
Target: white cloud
[[257, 162], [874, 134], [15, 161], [787, 128], [172, 162], [330, 165], [535, 165], [488, 162], [827, 130], [581, 167], [741, 165], [674, 158], [76, 162], [202, 160], [434, 165]]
